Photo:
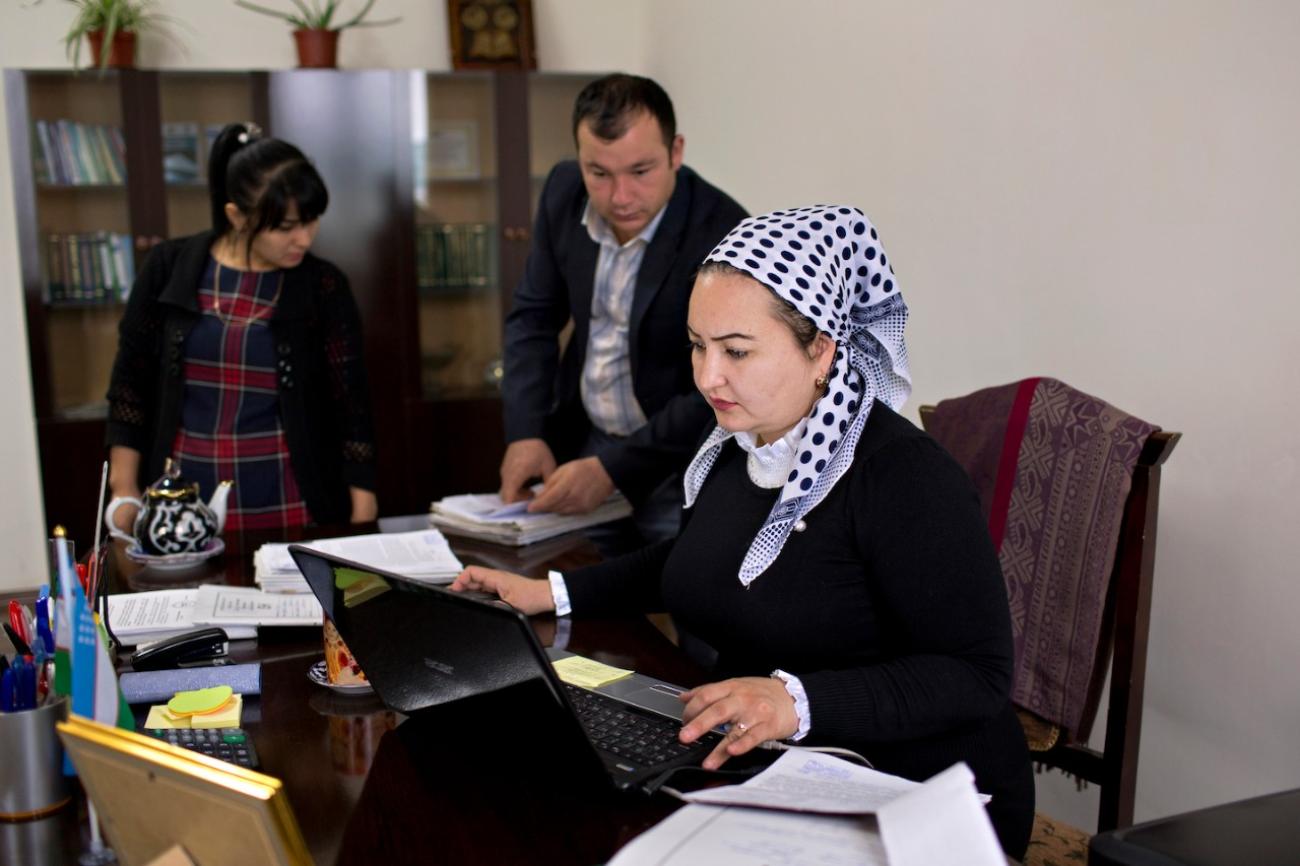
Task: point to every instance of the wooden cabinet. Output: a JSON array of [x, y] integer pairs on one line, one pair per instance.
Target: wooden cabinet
[[439, 175], [433, 179]]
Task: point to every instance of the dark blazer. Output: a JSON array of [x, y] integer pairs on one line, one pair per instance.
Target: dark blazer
[[541, 388], [324, 396]]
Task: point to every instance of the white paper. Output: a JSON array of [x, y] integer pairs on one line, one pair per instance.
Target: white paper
[[139, 617], [805, 781], [237, 605], [940, 822], [485, 516], [420, 555], [721, 836]]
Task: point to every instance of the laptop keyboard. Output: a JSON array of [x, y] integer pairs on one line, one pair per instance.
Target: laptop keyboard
[[638, 737]]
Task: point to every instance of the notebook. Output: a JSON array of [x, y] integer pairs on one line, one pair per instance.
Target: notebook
[[426, 649]]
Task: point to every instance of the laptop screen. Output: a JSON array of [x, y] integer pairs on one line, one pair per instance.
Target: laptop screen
[[422, 646]]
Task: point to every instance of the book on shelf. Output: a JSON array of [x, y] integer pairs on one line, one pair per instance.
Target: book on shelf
[[485, 517], [88, 268], [453, 256], [71, 153], [182, 162]]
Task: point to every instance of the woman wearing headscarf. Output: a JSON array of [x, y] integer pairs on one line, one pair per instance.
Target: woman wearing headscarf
[[833, 568]]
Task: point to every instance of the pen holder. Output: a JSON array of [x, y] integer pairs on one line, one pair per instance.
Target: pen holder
[[32, 758]]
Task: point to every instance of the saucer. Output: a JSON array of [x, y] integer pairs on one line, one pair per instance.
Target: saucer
[[174, 561], [319, 675]]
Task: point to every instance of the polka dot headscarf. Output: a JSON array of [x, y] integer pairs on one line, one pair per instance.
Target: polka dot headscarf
[[827, 261]]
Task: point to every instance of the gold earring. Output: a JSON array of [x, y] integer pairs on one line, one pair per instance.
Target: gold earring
[[821, 381]]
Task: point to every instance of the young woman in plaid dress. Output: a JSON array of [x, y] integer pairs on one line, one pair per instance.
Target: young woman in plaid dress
[[239, 354]]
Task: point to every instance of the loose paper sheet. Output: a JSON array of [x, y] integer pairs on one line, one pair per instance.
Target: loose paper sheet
[[722, 836], [243, 606]]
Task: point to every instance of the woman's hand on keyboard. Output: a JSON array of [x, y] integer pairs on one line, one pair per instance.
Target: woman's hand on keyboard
[[754, 709]]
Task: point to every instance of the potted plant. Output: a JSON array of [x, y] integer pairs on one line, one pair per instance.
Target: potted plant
[[315, 32], [110, 26]]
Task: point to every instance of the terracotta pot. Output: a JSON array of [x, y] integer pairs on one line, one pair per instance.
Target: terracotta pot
[[317, 49], [121, 53]]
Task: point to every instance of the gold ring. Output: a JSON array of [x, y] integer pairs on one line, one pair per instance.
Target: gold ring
[[740, 728]]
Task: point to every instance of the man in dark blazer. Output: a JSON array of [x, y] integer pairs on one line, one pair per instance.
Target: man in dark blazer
[[619, 235]]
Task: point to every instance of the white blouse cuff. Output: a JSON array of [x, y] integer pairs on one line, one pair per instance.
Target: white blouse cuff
[[794, 688], [559, 593]]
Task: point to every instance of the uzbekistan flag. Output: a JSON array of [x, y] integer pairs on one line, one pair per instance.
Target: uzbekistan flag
[[95, 694]]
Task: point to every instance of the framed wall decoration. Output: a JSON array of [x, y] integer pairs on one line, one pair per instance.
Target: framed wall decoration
[[491, 34]]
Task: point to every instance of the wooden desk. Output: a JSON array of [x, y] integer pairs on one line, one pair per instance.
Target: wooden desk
[[358, 792]]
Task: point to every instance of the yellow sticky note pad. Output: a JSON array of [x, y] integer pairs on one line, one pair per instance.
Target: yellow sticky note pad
[[587, 673], [199, 700], [225, 717], [159, 717]]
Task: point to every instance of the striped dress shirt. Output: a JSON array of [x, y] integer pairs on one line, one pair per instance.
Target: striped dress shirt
[[606, 386]]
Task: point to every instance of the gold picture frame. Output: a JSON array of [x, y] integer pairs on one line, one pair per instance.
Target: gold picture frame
[[152, 797], [491, 34]]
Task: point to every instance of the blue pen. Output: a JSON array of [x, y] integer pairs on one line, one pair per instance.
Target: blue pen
[[7, 691], [43, 633], [26, 686]]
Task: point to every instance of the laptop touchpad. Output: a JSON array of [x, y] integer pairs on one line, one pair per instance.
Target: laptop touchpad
[[661, 698]]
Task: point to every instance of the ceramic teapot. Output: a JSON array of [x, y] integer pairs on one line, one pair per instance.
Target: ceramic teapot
[[172, 518]]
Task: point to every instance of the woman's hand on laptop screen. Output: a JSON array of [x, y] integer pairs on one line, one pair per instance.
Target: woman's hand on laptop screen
[[522, 593]]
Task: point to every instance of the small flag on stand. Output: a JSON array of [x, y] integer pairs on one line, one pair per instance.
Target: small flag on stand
[[95, 693]]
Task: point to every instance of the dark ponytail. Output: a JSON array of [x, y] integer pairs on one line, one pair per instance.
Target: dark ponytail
[[261, 176]]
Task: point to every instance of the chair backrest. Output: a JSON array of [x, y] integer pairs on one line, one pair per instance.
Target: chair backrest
[[1124, 632]]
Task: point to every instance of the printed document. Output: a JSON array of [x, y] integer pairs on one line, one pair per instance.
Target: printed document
[[722, 836], [143, 617], [240, 605], [803, 781]]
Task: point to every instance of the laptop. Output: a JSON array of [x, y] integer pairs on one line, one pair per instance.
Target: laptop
[[472, 666]]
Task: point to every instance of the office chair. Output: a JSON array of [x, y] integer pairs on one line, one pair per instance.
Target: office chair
[[1122, 642]]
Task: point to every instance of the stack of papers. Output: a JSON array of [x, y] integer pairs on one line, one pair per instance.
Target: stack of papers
[[144, 617], [423, 555], [485, 516], [819, 801]]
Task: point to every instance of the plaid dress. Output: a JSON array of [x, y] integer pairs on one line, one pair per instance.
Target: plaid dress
[[230, 414]]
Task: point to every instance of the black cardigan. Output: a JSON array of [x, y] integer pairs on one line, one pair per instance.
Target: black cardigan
[[890, 608], [324, 397]]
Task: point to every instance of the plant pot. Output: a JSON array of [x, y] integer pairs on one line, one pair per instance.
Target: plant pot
[[121, 53], [317, 49]]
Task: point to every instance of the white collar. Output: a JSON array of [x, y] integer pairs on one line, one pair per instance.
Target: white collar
[[599, 229], [769, 464]]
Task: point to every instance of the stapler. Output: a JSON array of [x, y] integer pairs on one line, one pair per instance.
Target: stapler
[[205, 646]]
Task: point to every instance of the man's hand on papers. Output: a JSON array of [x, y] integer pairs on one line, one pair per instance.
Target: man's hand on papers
[[577, 487], [524, 460], [756, 709], [522, 593]]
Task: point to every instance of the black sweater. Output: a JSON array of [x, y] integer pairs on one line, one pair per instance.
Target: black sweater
[[889, 607], [321, 379]]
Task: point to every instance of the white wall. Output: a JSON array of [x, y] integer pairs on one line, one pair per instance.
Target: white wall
[[1100, 192]]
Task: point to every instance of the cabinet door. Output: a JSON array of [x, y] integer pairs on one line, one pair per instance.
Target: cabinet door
[[194, 106], [456, 197], [79, 248]]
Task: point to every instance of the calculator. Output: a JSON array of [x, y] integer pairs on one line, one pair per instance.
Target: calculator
[[225, 744]]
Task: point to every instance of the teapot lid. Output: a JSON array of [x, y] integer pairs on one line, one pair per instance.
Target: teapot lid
[[171, 485]]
